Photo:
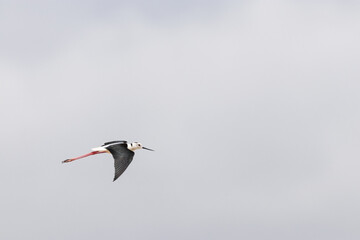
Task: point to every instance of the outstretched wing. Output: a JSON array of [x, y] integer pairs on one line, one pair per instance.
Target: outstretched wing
[[122, 158]]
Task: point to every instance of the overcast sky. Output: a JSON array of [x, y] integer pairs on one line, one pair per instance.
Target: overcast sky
[[252, 108]]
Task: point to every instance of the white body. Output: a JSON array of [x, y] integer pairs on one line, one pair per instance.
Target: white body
[[100, 149]]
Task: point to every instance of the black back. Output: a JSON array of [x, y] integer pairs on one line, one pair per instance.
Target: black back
[[122, 157], [118, 141]]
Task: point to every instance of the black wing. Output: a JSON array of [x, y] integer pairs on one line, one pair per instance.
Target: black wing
[[122, 158], [119, 141]]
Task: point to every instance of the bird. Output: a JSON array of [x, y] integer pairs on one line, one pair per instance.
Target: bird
[[122, 152]]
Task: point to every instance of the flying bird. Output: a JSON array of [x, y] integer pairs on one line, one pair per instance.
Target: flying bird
[[122, 152]]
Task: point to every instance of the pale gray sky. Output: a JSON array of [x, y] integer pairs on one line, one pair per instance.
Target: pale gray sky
[[252, 108]]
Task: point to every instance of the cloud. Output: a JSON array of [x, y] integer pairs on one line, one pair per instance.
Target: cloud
[[251, 109]]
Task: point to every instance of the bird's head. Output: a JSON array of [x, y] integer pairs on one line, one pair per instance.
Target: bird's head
[[136, 145]]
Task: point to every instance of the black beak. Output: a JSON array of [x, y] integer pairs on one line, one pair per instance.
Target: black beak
[[147, 149]]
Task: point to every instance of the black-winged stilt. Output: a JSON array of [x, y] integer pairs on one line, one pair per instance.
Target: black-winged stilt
[[121, 151]]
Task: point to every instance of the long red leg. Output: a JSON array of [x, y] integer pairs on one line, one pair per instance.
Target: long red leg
[[82, 156]]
